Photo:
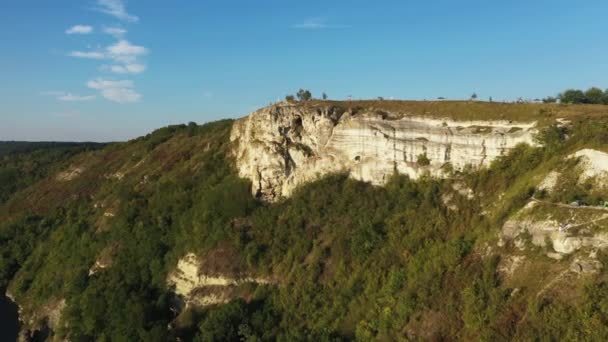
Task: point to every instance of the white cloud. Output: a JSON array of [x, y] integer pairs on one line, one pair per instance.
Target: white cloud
[[72, 97], [134, 68], [115, 8], [125, 52], [312, 24], [117, 32], [79, 29], [69, 97], [100, 84], [121, 95], [317, 24], [125, 56], [122, 55], [122, 52], [87, 54], [118, 91], [123, 47]]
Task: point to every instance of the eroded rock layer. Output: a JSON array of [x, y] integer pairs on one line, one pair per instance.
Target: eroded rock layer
[[284, 145], [199, 289]]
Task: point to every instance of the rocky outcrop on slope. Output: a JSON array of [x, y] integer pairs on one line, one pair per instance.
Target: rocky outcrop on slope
[[563, 240], [284, 145], [194, 287], [69, 174], [594, 164], [40, 322]]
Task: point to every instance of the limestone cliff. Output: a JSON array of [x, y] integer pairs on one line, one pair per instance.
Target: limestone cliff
[[284, 145]]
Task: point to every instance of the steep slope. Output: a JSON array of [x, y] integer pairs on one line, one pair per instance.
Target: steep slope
[[105, 223], [159, 238], [23, 163]]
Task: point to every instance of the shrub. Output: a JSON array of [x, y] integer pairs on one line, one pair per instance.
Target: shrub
[[594, 95], [572, 96], [423, 160], [304, 95]]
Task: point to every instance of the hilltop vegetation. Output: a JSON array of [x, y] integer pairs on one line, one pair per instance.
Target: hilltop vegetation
[[570, 104], [470, 110], [349, 260], [592, 95]]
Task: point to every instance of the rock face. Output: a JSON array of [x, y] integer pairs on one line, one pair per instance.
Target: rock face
[[198, 289], [562, 242], [284, 145], [594, 164], [549, 182]]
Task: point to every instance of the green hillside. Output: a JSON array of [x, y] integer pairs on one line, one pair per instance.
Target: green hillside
[[347, 260], [23, 163]]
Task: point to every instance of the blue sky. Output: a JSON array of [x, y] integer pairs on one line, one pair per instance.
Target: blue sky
[[115, 69]]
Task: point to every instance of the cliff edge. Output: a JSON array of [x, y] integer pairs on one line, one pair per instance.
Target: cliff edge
[[286, 144]]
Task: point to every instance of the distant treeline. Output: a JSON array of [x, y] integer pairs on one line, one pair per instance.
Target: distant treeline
[[24, 163], [592, 95], [9, 147]]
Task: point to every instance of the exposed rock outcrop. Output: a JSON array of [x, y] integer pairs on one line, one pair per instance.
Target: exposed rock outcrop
[[196, 288], [69, 174], [562, 241], [105, 259], [549, 182], [585, 266], [284, 145], [594, 164]]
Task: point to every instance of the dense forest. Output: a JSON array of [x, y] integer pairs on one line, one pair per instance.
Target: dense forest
[[350, 260]]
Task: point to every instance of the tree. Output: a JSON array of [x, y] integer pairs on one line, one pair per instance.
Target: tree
[[572, 96], [324, 96], [290, 98], [192, 127], [304, 95], [423, 160], [594, 95], [222, 324], [474, 96]]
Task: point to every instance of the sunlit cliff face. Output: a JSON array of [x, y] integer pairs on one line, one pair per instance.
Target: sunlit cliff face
[[285, 145]]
